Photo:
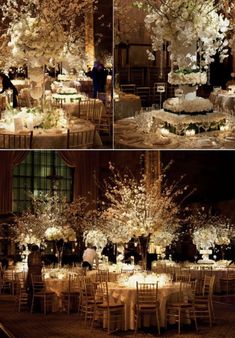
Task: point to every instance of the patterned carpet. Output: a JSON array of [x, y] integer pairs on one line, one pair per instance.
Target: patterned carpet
[[60, 325]]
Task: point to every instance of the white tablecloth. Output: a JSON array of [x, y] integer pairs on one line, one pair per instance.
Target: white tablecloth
[[127, 295], [128, 135], [57, 139]]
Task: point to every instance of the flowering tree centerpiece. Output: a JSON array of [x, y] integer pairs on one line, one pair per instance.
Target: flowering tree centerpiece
[[193, 32], [39, 30], [43, 33], [46, 220], [135, 209], [209, 230], [190, 27], [82, 219]]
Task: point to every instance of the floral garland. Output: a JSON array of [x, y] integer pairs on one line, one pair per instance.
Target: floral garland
[[192, 78], [198, 105]]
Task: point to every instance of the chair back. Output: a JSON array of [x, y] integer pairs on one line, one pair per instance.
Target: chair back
[[147, 293], [87, 108], [128, 88], [183, 277], [77, 101], [20, 278], [9, 275], [37, 283], [16, 141], [102, 294], [75, 283], [102, 276], [80, 139], [208, 285]]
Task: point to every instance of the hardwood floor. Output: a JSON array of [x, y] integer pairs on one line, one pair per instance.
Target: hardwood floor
[[60, 325]]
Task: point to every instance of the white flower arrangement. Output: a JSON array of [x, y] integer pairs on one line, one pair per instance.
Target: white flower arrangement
[[136, 210], [36, 40], [64, 233], [208, 230], [198, 105], [204, 238], [196, 24], [43, 32], [34, 117], [191, 78], [95, 238], [163, 238]]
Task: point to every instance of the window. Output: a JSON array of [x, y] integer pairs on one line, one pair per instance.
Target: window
[[41, 171]]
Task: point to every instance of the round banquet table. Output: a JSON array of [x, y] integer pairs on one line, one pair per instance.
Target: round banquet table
[[223, 102], [129, 134], [58, 286], [126, 105], [71, 107], [57, 138], [127, 295]]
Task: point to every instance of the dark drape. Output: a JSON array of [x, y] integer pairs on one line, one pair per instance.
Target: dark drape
[[8, 159], [85, 164]]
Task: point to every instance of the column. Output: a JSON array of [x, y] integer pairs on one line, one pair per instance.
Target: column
[[152, 166], [89, 35]]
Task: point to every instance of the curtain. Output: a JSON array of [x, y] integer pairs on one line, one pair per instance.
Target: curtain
[[9, 159], [85, 164]]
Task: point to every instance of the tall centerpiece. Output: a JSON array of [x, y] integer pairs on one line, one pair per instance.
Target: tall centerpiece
[[134, 209], [209, 230], [194, 31], [43, 33]]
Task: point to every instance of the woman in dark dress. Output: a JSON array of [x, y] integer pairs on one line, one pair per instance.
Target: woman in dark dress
[[34, 264], [7, 84]]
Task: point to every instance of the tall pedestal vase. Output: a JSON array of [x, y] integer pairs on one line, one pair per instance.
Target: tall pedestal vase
[[59, 251], [143, 246], [205, 256], [37, 86]]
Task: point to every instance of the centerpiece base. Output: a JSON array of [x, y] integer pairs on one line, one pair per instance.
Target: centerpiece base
[[190, 125], [205, 261], [205, 257]]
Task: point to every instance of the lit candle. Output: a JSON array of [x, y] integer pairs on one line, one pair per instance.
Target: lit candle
[[164, 131], [190, 132], [224, 128]]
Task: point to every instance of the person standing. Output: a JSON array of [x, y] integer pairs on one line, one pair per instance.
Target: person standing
[[7, 84], [99, 76], [90, 257], [34, 264]]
